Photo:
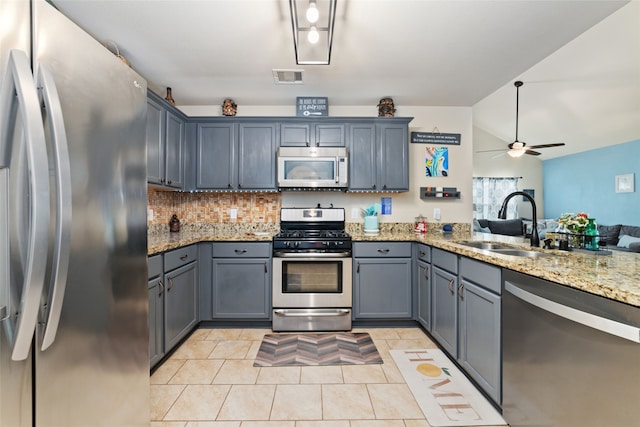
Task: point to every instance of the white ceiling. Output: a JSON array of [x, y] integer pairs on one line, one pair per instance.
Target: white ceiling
[[419, 52]]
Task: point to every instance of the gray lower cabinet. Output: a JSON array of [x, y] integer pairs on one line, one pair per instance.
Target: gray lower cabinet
[[241, 281], [382, 285], [423, 280], [479, 310], [181, 293], [466, 316], [156, 309], [444, 286]]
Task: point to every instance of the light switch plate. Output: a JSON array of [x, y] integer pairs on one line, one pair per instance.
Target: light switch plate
[[233, 213], [436, 214], [355, 213]]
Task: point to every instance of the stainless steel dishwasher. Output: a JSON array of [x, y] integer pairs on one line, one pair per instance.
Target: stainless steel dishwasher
[[570, 358]]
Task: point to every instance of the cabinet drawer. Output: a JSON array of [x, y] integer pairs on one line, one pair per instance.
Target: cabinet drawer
[[423, 252], [382, 249], [180, 257], [445, 260], [154, 265], [480, 273], [241, 250]]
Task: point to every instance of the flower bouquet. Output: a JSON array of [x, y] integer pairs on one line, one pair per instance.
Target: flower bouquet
[[575, 224]]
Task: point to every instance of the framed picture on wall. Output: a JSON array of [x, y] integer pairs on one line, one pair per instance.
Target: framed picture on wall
[[624, 183]]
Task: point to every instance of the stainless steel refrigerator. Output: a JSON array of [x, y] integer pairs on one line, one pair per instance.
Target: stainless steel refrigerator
[[73, 285]]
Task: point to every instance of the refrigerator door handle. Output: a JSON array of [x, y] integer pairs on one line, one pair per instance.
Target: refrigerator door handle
[[62, 192], [18, 82]]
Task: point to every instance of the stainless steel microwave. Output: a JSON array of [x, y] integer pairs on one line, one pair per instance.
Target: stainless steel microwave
[[313, 167]]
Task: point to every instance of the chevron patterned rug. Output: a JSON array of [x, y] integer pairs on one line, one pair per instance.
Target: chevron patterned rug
[[343, 348]]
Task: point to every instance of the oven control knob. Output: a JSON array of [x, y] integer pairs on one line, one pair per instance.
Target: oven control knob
[[296, 244], [325, 243]]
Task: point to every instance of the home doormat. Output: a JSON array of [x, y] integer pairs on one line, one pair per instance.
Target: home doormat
[[341, 348], [445, 395]]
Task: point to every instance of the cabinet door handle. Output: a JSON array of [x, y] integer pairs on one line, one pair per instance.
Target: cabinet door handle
[[358, 267], [450, 286], [229, 185], [239, 185], [240, 251], [183, 257], [170, 284], [384, 187], [426, 273], [383, 251], [421, 254], [161, 286], [265, 267], [161, 180], [373, 186], [460, 294], [169, 182]]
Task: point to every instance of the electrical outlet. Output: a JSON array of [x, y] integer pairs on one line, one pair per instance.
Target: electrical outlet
[[150, 215], [436, 214], [355, 213], [233, 213]]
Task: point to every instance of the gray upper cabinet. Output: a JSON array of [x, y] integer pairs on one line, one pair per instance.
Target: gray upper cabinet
[[166, 138], [257, 156], [393, 157], [215, 156], [362, 157], [379, 155], [236, 156], [302, 133]]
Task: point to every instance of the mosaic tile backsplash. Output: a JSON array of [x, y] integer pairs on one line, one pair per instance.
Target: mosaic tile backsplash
[[194, 208]]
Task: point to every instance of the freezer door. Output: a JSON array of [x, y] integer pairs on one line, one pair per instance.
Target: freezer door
[[95, 370]]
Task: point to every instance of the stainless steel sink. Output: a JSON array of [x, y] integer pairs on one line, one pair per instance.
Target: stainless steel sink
[[479, 244], [520, 253], [502, 248]]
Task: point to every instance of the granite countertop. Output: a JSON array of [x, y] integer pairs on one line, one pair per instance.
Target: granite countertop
[[615, 276]]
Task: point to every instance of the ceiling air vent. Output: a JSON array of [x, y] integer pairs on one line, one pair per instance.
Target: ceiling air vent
[[288, 77]]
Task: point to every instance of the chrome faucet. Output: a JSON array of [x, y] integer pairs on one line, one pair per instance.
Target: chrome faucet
[[502, 214]]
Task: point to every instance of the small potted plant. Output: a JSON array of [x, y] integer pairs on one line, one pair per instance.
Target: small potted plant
[[371, 219]]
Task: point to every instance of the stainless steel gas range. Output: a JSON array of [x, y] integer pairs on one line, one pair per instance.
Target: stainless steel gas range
[[312, 282]]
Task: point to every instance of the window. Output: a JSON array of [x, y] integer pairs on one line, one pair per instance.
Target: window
[[488, 195]]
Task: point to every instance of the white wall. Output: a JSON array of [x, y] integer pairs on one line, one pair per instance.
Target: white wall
[[499, 164], [405, 206]]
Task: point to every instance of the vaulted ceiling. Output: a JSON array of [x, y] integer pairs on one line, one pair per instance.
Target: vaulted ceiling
[[419, 52]]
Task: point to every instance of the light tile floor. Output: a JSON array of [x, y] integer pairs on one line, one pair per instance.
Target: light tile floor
[[210, 381]]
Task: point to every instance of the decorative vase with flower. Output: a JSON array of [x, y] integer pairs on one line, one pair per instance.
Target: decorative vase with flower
[[576, 224]]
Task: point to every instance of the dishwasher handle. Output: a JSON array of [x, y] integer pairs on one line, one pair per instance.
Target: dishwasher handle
[[602, 324]]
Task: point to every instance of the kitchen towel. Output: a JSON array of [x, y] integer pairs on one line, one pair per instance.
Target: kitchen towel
[[315, 349], [445, 395]]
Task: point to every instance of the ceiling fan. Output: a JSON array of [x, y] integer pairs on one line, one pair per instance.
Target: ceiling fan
[[518, 148]]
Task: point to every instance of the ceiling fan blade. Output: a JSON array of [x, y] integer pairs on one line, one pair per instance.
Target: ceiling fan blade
[[533, 153], [560, 144]]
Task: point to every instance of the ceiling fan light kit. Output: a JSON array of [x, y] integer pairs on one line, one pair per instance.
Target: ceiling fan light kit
[[312, 22], [519, 148]]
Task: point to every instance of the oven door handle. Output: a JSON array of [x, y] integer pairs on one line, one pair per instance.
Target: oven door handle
[[334, 313], [311, 255]]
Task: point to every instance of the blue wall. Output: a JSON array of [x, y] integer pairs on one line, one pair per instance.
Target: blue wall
[[585, 182]]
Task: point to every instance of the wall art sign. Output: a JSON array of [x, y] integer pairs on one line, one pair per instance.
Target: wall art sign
[[437, 161], [625, 183], [312, 106], [435, 138]]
